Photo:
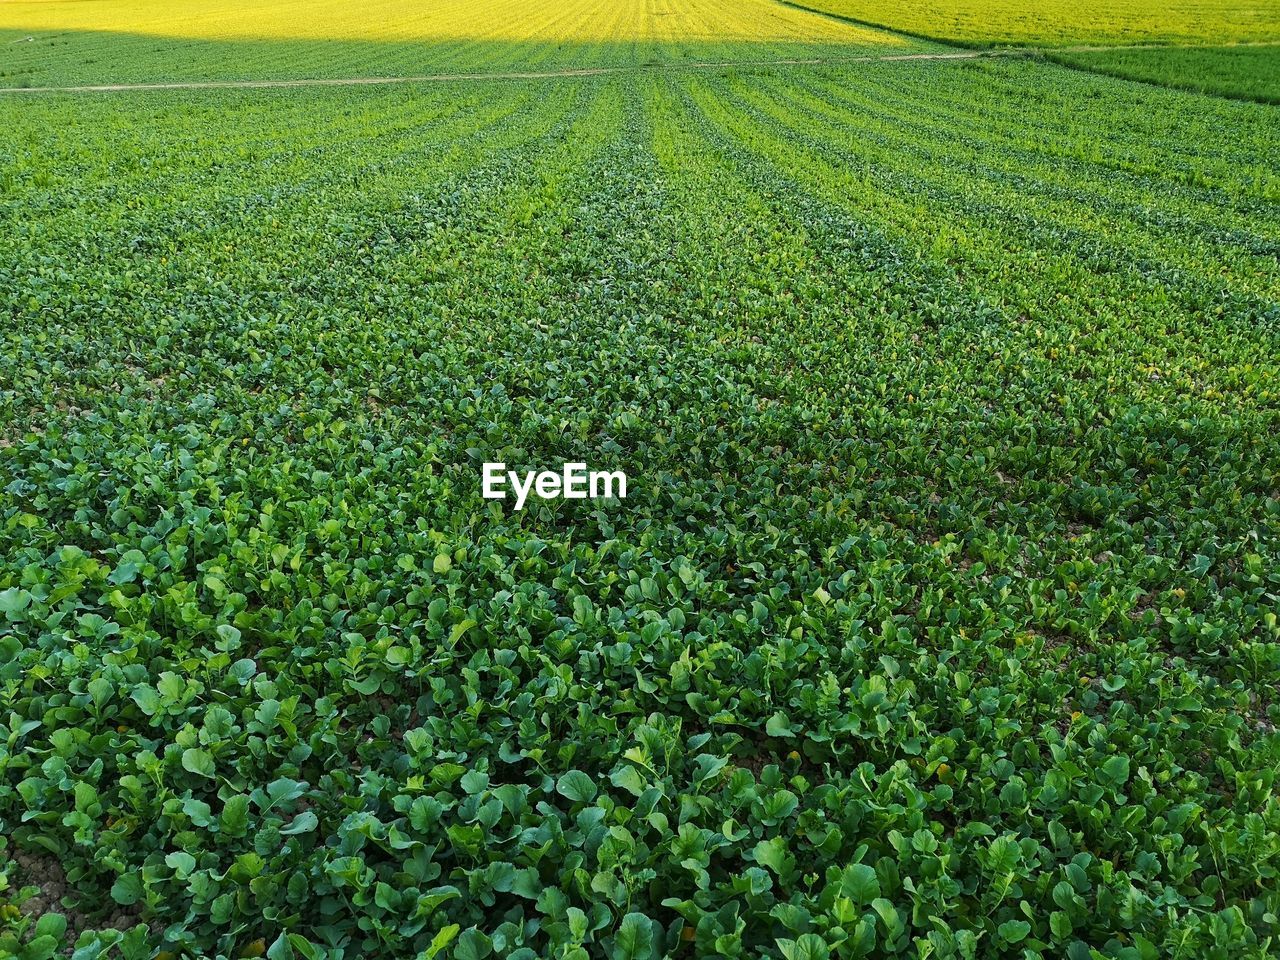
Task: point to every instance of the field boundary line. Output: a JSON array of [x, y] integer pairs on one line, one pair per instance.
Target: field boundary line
[[955, 53], [507, 75], [881, 27]]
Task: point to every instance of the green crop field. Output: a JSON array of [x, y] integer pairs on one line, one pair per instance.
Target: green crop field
[[939, 619], [1243, 72]]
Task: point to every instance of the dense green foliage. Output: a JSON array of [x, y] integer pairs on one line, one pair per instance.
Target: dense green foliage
[[1246, 73], [940, 621]]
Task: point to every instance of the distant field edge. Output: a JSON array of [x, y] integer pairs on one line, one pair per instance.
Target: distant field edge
[[1044, 24], [871, 24], [959, 54], [1241, 81]]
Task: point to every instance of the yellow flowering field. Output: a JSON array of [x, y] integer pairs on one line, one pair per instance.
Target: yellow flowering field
[[60, 41], [1056, 22]]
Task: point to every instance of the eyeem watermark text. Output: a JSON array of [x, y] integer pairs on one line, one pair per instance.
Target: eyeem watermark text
[[573, 482]]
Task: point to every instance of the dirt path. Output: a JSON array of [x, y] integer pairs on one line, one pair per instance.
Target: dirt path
[[954, 54]]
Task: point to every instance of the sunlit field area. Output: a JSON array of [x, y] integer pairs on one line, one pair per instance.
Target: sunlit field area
[[58, 41], [1056, 22], [939, 619]]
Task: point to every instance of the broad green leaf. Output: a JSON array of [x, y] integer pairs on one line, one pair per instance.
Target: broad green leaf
[[472, 945], [634, 939], [808, 946], [860, 884], [304, 822], [576, 786], [235, 816], [1116, 770], [779, 725], [1014, 931], [14, 601], [198, 761]]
